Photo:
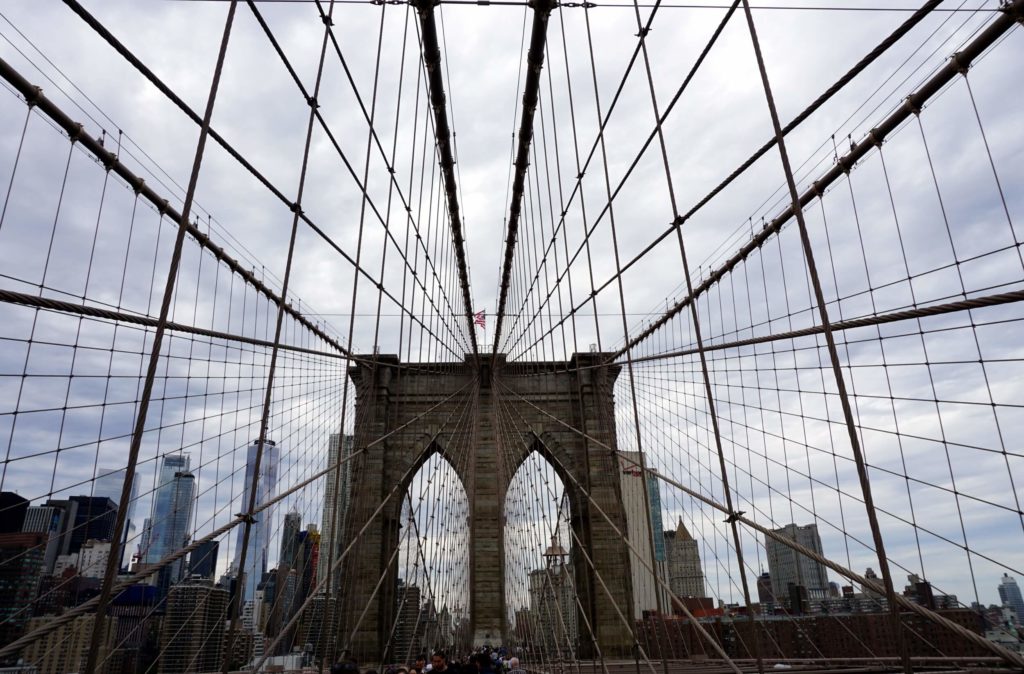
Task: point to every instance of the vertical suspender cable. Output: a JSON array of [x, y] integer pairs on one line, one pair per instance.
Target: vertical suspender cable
[[531, 94], [442, 131], [113, 561]]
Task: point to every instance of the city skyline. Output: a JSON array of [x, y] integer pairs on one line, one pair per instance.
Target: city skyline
[[991, 593]]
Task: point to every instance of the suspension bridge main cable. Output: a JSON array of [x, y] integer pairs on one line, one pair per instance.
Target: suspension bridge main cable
[[531, 94], [824, 97], [134, 61], [435, 82], [914, 102], [389, 163]]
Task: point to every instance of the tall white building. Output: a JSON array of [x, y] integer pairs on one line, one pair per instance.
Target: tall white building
[[643, 515], [553, 605], [92, 559], [339, 448], [109, 482], [1010, 595], [685, 574], [256, 557], [788, 567]]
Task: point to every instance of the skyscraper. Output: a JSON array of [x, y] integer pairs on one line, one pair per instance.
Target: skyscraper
[[47, 520], [193, 627], [643, 517], [290, 539], [203, 560], [339, 448], [685, 575], [92, 559], [12, 512], [109, 482], [764, 589], [788, 568], [170, 521], [307, 560], [259, 535], [94, 519], [21, 570], [1009, 593], [553, 604], [407, 641]]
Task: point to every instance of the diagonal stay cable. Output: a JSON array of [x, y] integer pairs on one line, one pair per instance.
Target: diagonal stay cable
[[978, 639], [286, 629], [141, 412], [583, 490], [144, 70], [849, 324], [233, 609], [910, 107], [125, 582], [314, 103], [35, 98], [825, 96]]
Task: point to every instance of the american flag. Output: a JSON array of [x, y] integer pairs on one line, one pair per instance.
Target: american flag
[[480, 318]]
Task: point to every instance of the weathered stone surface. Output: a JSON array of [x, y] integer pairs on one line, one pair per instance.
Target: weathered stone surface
[[491, 423]]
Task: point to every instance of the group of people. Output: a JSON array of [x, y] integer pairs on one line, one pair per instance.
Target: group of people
[[482, 661]]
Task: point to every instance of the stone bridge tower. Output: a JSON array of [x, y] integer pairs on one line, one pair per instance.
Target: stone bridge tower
[[404, 415]]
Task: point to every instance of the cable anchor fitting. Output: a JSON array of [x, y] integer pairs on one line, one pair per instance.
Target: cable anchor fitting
[[912, 106], [1014, 9], [37, 93], [962, 65], [734, 517]]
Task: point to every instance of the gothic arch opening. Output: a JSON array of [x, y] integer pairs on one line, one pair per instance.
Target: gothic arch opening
[[540, 589], [431, 586]]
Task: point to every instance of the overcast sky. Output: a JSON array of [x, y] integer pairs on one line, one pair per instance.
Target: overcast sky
[[771, 403]]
